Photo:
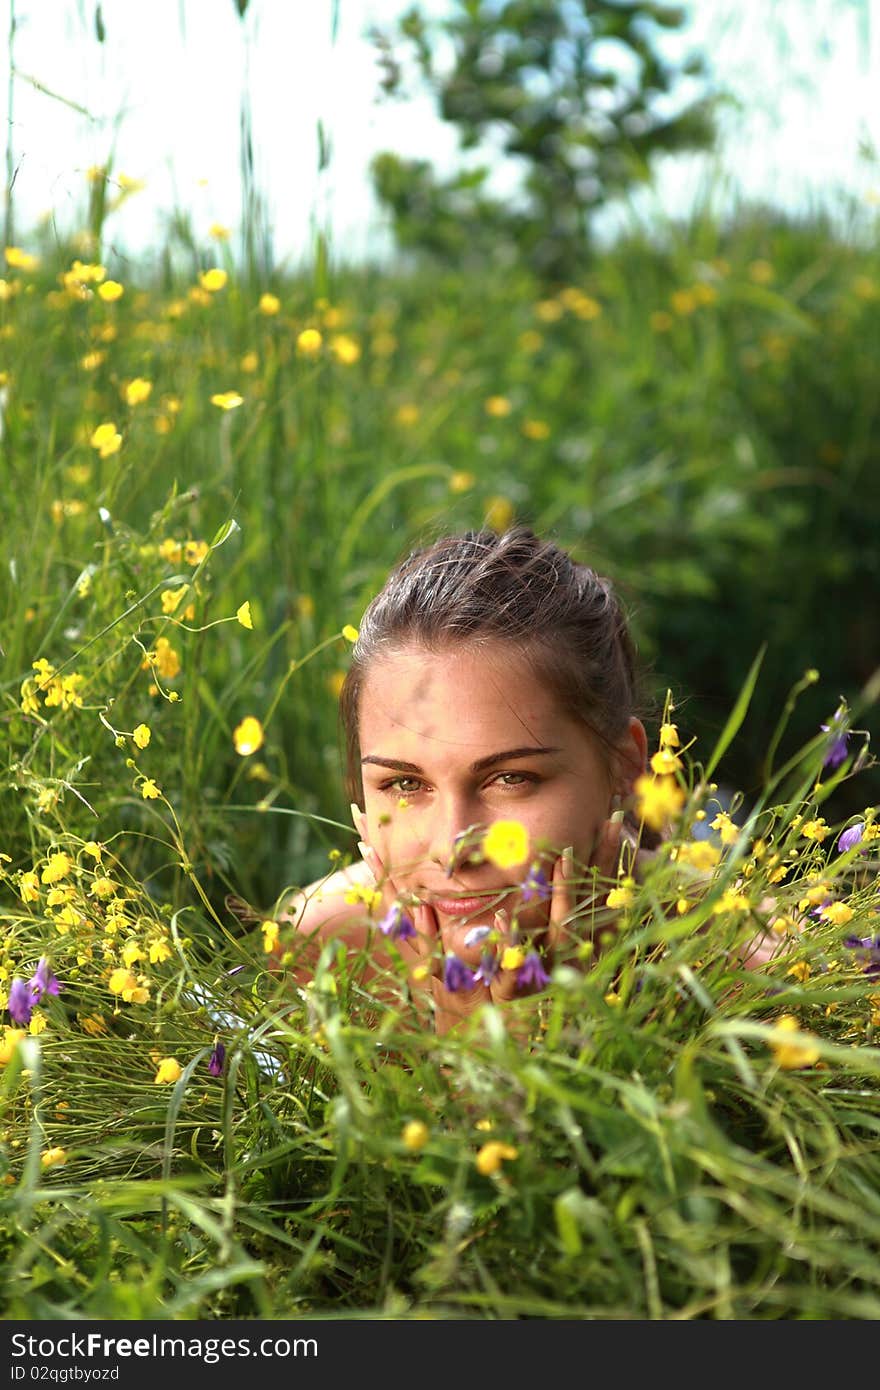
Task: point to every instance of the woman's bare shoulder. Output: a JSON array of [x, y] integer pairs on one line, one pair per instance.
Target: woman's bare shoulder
[[328, 905]]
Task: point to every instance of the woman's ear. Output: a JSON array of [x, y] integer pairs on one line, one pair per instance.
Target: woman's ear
[[632, 756]]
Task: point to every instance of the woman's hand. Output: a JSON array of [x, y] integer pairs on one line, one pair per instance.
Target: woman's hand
[[507, 969]]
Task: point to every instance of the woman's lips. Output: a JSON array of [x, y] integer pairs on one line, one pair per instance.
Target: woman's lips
[[466, 907]]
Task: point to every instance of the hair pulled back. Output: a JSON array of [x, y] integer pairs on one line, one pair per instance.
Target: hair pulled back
[[481, 587]]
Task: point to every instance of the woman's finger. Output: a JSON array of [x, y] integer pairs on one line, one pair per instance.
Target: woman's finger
[[561, 901]]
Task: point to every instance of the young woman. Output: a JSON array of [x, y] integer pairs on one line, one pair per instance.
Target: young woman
[[493, 679]]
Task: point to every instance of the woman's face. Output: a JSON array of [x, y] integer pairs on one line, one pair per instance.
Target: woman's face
[[466, 736]]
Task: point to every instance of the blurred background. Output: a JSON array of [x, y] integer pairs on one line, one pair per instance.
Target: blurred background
[[609, 269]]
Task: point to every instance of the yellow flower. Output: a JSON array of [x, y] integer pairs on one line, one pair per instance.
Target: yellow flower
[[248, 736], [701, 854], [92, 359], [497, 406], [249, 362], [158, 950], [360, 893], [20, 260], [309, 342], [53, 1157], [536, 429], [270, 932], [506, 844], [350, 633], [761, 272], [142, 735], [499, 513], [460, 481], [149, 790], [659, 800], [683, 301], [131, 953], [838, 914], [227, 400], [789, 1054], [815, 830], [121, 980], [800, 970], [171, 599], [407, 414], [492, 1155], [623, 895], [106, 439], [102, 887], [665, 762], [726, 828], [58, 866], [512, 957], [213, 280], [731, 901], [171, 550], [93, 850], [415, 1135], [167, 661], [9, 1043], [345, 349], [28, 889], [269, 304], [136, 391], [110, 291], [243, 614], [37, 1025], [669, 736], [194, 553], [168, 1071]]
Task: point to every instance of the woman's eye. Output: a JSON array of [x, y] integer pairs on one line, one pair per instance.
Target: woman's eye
[[403, 786], [515, 779]]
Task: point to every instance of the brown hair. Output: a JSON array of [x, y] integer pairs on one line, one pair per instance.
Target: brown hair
[[481, 587]]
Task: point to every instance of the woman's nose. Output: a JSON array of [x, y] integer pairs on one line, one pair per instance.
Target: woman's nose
[[454, 833]]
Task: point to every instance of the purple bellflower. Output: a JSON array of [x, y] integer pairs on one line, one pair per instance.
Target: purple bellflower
[[487, 969], [851, 837], [870, 945], [43, 981], [216, 1059], [396, 925], [531, 973], [836, 753], [21, 1002], [535, 886], [456, 974]]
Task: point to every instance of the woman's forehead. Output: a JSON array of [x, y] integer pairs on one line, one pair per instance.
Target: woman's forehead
[[459, 694]]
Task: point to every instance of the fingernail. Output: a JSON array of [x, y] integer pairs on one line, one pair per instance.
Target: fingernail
[[568, 861], [356, 813], [363, 849], [617, 817]]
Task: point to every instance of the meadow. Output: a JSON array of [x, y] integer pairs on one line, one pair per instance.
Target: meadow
[[206, 471]]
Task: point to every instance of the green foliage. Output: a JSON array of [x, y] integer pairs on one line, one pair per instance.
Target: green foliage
[[578, 96], [694, 418]]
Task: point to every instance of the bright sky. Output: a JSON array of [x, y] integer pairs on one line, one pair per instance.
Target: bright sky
[[163, 95]]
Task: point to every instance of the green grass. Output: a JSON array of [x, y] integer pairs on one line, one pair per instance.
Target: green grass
[[711, 448]]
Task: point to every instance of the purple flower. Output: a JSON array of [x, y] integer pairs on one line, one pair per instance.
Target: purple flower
[[532, 973], [836, 754], [43, 981], [851, 837], [535, 886], [487, 969], [216, 1060], [396, 925], [21, 1002], [476, 935], [456, 974], [870, 945]]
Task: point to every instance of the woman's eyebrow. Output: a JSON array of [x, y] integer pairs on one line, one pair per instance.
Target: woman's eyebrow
[[479, 766]]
